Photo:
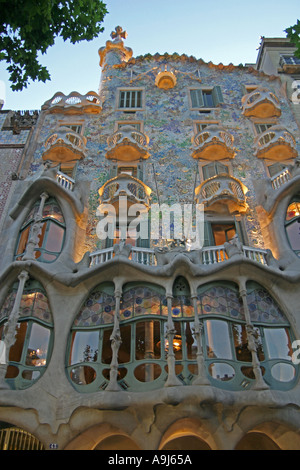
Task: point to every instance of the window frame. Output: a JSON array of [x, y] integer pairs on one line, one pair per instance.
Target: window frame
[[129, 90], [215, 91], [19, 382], [48, 220]]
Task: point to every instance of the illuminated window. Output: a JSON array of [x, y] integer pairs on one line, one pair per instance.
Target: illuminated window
[[227, 356], [292, 225], [51, 232], [29, 355]]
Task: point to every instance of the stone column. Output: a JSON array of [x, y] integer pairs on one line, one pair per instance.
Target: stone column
[[35, 230], [116, 341], [10, 327], [172, 379], [260, 384], [201, 378]]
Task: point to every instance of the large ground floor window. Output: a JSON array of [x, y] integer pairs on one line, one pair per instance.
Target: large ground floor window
[[143, 351]]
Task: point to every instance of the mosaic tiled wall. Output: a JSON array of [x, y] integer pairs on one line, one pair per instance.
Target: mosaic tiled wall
[[169, 123]]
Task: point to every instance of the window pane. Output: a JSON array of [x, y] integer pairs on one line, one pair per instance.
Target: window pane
[[147, 340], [208, 99], [23, 240], [191, 344], [223, 233], [84, 346], [240, 343], [278, 343], [16, 349], [125, 347], [293, 232], [55, 237], [217, 339], [38, 346], [42, 234], [293, 211]]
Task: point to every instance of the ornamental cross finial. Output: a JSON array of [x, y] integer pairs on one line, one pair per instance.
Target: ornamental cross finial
[[118, 33]]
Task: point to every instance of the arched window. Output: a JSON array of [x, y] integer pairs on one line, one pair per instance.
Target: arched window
[[29, 355], [227, 356], [141, 358], [50, 236], [184, 344], [89, 351], [292, 224]]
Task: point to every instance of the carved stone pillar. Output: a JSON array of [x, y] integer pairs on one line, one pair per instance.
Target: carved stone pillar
[[201, 378], [172, 379], [9, 331], [116, 341], [35, 230], [260, 384]]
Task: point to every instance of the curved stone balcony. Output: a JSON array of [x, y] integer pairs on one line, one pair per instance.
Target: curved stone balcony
[[261, 103], [276, 143], [125, 185], [127, 144], [64, 145], [222, 189], [74, 103], [213, 143]]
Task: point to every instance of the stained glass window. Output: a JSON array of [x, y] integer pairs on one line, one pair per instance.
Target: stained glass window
[[220, 300], [98, 309], [228, 358], [143, 300]]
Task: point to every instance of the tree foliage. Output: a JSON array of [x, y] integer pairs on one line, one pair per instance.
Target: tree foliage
[[293, 33], [29, 27]]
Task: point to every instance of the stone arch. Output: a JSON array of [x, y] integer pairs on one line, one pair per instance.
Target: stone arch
[[256, 441], [270, 436], [186, 434], [103, 436]]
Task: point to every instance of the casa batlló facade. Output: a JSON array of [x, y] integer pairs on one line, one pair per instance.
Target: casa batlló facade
[[111, 340]]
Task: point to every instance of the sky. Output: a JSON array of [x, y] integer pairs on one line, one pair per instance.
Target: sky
[[219, 31]]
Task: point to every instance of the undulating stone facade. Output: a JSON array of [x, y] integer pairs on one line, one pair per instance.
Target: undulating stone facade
[[86, 322]]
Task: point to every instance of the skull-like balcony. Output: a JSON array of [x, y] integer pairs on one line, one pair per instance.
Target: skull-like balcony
[[222, 190], [74, 103], [261, 103], [125, 185], [276, 143], [127, 145], [64, 145], [213, 143]]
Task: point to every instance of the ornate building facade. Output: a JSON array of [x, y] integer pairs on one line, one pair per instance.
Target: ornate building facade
[[115, 341]]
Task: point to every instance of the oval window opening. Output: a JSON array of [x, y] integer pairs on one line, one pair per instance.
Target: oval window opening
[[221, 371], [147, 372], [83, 375], [283, 372]]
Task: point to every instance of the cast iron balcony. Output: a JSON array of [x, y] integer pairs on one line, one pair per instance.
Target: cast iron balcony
[[222, 189], [127, 144], [125, 185], [74, 103], [276, 143], [261, 103], [64, 145], [213, 143]]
